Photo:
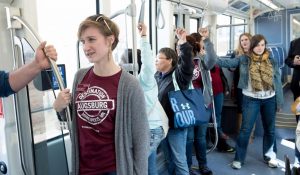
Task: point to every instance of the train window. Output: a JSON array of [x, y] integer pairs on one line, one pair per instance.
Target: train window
[[124, 23], [223, 35], [237, 31], [228, 33], [223, 20], [60, 30], [193, 25], [295, 26]]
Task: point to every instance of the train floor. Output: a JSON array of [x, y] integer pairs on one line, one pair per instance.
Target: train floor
[[220, 163]]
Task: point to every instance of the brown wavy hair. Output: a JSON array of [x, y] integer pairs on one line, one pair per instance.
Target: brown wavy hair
[[240, 51], [93, 21], [194, 40]]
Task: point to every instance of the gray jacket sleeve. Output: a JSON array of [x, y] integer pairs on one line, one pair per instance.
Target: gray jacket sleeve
[[210, 58], [140, 131]]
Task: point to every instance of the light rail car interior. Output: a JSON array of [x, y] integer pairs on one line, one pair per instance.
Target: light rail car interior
[[33, 139]]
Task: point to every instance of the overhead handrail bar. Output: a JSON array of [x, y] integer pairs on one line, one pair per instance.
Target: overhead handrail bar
[[129, 10], [186, 4], [180, 17], [229, 25]]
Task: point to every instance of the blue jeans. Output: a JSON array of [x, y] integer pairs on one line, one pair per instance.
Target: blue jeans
[[251, 108], [197, 137], [156, 135], [175, 151], [297, 153], [218, 101]]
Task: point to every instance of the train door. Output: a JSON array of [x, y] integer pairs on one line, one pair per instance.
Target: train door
[[32, 141]]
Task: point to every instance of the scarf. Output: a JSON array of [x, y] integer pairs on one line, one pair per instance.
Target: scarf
[[261, 72]]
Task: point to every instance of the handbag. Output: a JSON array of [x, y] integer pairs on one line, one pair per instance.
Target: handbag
[[188, 106]]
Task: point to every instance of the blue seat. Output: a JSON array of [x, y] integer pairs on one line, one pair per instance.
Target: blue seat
[[278, 54], [282, 57]]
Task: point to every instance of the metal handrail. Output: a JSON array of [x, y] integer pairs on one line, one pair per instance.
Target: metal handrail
[[131, 11], [53, 66]]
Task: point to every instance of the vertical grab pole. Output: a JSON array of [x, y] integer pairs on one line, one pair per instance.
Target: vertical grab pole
[[142, 12], [134, 42], [214, 120]]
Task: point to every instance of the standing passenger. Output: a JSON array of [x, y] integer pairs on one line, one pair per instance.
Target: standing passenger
[[293, 61], [243, 48], [204, 60], [261, 86], [154, 110], [109, 124], [166, 63]]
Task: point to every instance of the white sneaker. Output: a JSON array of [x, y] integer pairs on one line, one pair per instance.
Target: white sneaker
[[236, 165], [296, 164], [273, 163]]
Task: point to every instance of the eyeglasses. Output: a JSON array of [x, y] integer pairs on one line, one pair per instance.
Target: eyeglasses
[[102, 18]]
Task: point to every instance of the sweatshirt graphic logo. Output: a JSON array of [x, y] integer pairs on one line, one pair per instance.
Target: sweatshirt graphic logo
[[94, 105], [196, 72]]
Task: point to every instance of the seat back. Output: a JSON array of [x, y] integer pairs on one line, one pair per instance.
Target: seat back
[[278, 54]]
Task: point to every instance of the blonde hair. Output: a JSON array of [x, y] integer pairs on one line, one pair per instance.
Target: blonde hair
[[105, 25], [240, 51]]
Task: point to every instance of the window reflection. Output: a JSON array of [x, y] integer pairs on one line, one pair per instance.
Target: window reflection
[[193, 25], [295, 26]]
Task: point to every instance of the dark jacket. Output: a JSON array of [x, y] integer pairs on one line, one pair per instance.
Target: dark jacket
[[5, 89], [294, 50], [183, 73]]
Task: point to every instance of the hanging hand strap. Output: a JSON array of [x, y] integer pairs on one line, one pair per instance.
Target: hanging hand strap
[[142, 12], [159, 14]]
